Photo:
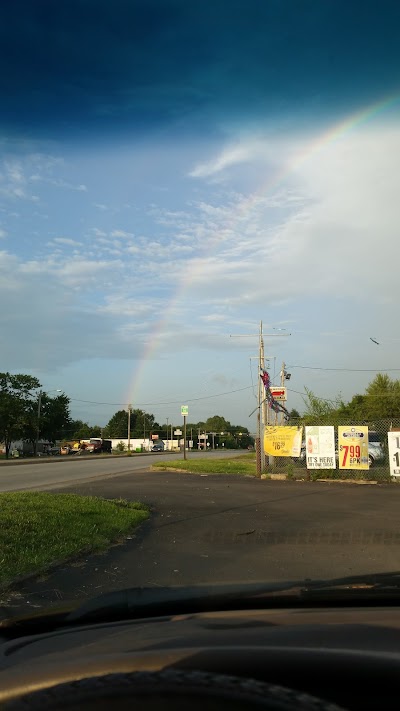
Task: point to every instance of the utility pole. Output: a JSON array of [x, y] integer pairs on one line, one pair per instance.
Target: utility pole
[[283, 378], [167, 433], [262, 409], [38, 420], [129, 427]]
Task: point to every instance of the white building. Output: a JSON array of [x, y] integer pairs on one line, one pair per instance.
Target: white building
[[144, 445]]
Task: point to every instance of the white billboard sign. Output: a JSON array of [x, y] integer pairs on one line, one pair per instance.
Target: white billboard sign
[[394, 453], [320, 447]]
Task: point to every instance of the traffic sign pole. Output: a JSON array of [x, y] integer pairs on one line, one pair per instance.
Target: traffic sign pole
[[184, 413]]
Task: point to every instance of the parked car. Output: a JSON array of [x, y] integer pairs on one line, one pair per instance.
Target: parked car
[[158, 447]]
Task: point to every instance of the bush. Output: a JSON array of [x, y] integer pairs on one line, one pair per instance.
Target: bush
[[121, 447]]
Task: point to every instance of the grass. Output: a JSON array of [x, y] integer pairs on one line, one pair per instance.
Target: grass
[[373, 474], [243, 465], [38, 529]]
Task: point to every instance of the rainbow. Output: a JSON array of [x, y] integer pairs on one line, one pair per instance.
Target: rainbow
[[334, 133]]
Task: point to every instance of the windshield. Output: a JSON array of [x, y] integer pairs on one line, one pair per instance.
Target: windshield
[[253, 147]]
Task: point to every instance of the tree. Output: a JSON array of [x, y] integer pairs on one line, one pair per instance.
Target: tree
[[81, 430], [217, 424], [15, 402], [319, 411], [53, 421], [142, 423], [117, 425], [294, 414], [381, 401]]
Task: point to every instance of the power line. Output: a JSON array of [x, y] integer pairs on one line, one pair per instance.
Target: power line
[[324, 399], [348, 370], [169, 402]]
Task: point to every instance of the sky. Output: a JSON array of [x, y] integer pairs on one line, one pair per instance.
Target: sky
[[173, 173]]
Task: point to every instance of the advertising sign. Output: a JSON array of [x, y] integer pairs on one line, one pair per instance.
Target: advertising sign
[[353, 447], [278, 393], [283, 441], [394, 453], [320, 447]]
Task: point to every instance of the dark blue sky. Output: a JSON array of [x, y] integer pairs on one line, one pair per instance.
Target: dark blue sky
[[89, 66]]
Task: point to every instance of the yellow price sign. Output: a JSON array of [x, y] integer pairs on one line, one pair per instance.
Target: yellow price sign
[[353, 447], [283, 441]]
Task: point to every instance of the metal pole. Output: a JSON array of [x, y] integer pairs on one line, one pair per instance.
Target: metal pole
[[262, 401], [167, 433], [38, 420], [283, 374], [184, 436], [129, 428]]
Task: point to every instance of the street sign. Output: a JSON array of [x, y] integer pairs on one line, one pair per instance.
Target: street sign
[[177, 432], [278, 393], [184, 410], [394, 453]]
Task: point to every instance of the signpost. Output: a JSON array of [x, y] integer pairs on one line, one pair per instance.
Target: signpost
[[184, 413], [353, 447], [320, 447], [394, 453]]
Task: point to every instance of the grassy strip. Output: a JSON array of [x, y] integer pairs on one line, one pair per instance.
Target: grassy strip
[[38, 529], [239, 465]]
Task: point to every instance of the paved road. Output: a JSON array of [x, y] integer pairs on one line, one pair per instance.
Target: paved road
[[230, 529], [62, 471]]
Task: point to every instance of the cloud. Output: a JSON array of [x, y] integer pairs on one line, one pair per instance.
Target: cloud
[[58, 183], [303, 250], [67, 241], [122, 233], [3, 233], [229, 156], [98, 232]]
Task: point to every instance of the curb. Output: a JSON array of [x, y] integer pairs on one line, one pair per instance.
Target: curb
[[65, 458]]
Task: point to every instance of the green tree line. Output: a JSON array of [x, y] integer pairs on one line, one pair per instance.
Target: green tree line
[[29, 414], [380, 401]]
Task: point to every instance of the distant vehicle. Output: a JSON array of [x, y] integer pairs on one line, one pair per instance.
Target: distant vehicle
[[53, 451], [96, 445], [158, 447]]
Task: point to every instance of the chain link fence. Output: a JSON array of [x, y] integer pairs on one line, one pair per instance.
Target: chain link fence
[[378, 455]]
